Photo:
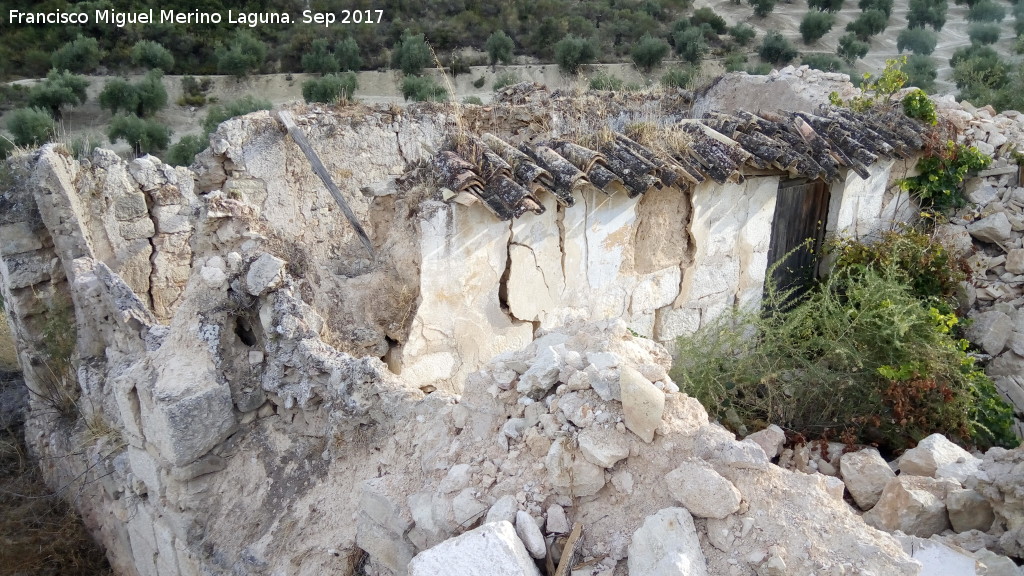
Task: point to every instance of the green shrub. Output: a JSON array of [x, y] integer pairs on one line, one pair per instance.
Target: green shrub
[[411, 54], [81, 55], [850, 49], [143, 98], [244, 55], [504, 79], [572, 52], [776, 49], [917, 40], [475, 100], [743, 34], [347, 54], [144, 136], [815, 25], [319, 59], [982, 33], [193, 91], [762, 8], [939, 184], [183, 152], [882, 5], [921, 72], [60, 89], [648, 52], [862, 357], [986, 11], [499, 48], [735, 62], [605, 81], [690, 45], [708, 16], [423, 89], [149, 54], [30, 126], [927, 13], [220, 112], [330, 88], [916, 104], [868, 24], [678, 77], [825, 5], [823, 62], [759, 69], [479, 82]]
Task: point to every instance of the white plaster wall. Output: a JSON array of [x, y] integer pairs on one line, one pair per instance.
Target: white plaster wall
[[857, 208], [731, 230]]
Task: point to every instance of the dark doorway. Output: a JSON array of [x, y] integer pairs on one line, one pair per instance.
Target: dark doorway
[[798, 231]]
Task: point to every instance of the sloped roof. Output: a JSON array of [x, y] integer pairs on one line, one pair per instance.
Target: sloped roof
[[510, 179]]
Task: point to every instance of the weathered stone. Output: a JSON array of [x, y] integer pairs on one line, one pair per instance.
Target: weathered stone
[[969, 510], [530, 534], [490, 550], [467, 508], [603, 446], [983, 194], [666, 545], [458, 477], [955, 238], [265, 273], [130, 207], [557, 521], [16, 238], [702, 491], [771, 440], [1015, 261], [992, 564], [503, 510], [929, 454], [542, 374], [570, 473], [866, 474], [642, 403], [937, 558], [995, 228], [912, 504], [990, 330]]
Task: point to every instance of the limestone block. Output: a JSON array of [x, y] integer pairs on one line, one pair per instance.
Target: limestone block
[[961, 470], [771, 440], [991, 330], [642, 403], [1015, 261], [379, 501], [969, 510], [530, 534], [937, 558], [529, 297], [467, 508], [603, 446], [458, 477], [666, 545], [265, 273], [930, 453], [31, 268], [655, 290], [994, 228], [912, 504], [186, 428], [490, 550], [570, 473], [728, 457], [992, 564], [385, 547], [866, 474], [542, 374], [130, 207], [172, 219], [136, 229], [702, 491], [557, 521], [16, 238], [503, 510], [956, 238]]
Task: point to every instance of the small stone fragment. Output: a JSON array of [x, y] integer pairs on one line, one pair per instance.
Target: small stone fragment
[[642, 403], [490, 550], [530, 534], [771, 440], [866, 474], [666, 545], [702, 491]]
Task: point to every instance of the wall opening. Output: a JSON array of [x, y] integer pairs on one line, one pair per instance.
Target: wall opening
[[798, 231]]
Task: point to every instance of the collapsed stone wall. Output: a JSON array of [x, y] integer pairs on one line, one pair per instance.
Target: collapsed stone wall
[[227, 386]]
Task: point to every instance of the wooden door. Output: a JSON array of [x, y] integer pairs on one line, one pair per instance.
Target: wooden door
[[798, 231]]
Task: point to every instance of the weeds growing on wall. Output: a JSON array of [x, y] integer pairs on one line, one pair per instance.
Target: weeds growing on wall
[[942, 172], [870, 355], [58, 383]]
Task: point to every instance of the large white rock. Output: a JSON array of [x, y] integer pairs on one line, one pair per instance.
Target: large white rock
[[642, 403], [938, 559], [667, 545], [603, 446], [702, 491], [913, 505], [969, 510], [930, 453], [866, 473], [530, 534], [265, 274], [542, 374], [771, 440], [1015, 261], [570, 473], [991, 330], [490, 550], [994, 228]]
